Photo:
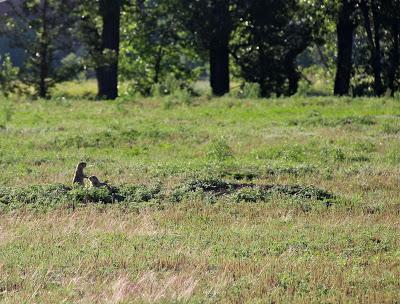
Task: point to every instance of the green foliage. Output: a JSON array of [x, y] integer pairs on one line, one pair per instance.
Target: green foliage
[[70, 67], [251, 195], [249, 90], [56, 195], [249, 192], [156, 49], [265, 47], [219, 150], [36, 27], [6, 113], [90, 195], [33, 197], [8, 76], [317, 81], [168, 86], [140, 193], [44, 197]]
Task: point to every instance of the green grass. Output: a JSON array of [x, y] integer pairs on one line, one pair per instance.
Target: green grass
[[183, 232]]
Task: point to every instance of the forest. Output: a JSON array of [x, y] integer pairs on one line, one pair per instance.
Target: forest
[[277, 47]]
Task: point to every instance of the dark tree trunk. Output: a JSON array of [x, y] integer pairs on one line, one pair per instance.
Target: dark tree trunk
[[217, 38], [107, 74], [379, 90], [293, 78], [292, 75], [43, 66], [265, 91], [394, 56], [345, 34], [219, 67], [374, 43]]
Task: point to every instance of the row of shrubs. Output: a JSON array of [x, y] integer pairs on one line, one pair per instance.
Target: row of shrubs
[[55, 195]]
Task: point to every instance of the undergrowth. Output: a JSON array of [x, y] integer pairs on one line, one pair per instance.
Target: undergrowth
[[42, 197]]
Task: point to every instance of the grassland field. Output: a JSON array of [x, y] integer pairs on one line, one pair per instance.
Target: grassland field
[[176, 237]]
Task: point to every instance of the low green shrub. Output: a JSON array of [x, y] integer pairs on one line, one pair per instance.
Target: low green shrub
[[8, 76], [219, 150]]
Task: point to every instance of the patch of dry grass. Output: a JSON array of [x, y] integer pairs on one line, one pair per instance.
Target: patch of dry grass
[[192, 252]]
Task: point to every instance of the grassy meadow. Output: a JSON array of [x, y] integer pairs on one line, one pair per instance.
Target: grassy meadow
[[184, 233]]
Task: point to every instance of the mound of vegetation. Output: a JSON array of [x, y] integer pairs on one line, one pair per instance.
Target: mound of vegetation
[[50, 196], [249, 192]]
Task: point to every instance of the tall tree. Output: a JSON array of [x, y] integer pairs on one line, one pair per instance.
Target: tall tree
[[99, 30], [219, 48], [42, 29], [266, 44], [345, 27], [371, 12], [392, 24], [368, 47], [107, 74], [212, 22]]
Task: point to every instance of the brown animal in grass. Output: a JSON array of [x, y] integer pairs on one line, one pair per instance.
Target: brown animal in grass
[[80, 176], [96, 183]]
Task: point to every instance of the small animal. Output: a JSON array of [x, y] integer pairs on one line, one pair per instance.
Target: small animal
[[79, 174], [96, 183]]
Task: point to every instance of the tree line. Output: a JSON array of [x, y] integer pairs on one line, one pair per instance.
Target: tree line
[[145, 42]]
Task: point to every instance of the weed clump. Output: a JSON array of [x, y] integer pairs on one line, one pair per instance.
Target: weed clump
[[219, 150], [251, 195], [90, 195], [140, 193]]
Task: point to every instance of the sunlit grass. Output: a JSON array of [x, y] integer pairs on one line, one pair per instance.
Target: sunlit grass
[[203, 249]]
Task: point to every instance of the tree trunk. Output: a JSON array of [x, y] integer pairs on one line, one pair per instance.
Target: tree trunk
[[379, 90], [107, 74], [218, 40], [345, 34], [394, 55], [265, 89], [291, 73], [374, 43], [219, 68], [43, 65], [293, 77]]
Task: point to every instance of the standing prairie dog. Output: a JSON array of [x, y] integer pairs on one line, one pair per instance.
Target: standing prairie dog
[[79, 175]]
